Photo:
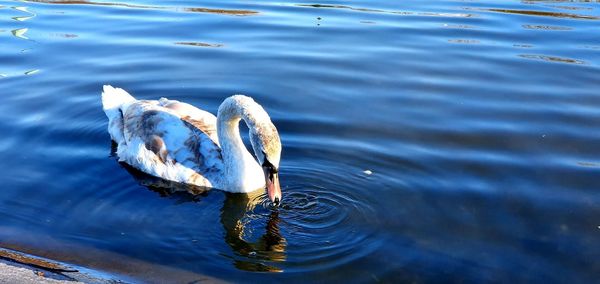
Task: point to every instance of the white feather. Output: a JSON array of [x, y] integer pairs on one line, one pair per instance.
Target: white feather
[[114, 101], [189, 150]]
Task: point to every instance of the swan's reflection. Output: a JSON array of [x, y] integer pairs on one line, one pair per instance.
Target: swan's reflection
[[236, 213], [251, 255]]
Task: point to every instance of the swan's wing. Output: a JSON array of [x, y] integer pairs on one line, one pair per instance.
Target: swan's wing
[[161, 143], [203, 120]]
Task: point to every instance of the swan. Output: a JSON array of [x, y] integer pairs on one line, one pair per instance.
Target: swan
[[178, 142]]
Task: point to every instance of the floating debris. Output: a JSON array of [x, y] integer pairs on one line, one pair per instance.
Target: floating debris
[[367, 172]]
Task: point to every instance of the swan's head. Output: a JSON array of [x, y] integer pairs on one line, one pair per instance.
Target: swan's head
[[263, 137], [267, 148]]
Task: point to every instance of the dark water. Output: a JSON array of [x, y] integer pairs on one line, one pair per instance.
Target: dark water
[[480, 123]]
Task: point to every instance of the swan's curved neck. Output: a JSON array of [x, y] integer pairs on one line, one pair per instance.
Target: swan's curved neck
[[242, 173]]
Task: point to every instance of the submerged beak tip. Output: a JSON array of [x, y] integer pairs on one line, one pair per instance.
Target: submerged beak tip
[[272, 184], [275, 198]]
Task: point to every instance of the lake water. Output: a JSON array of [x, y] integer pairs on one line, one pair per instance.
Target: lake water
[[479, 122]]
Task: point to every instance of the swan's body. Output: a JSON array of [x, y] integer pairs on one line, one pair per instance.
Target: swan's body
[[179, 142]]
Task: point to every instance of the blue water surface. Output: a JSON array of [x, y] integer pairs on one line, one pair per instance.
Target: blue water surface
[[423, 141]]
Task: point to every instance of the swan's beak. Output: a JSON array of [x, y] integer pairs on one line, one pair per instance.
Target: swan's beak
[[273, 188]]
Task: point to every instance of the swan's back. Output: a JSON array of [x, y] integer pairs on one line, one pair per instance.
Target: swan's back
[[165, 138], [203, 120]]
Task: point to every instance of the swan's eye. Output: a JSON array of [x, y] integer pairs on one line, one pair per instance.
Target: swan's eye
[[269, 165]]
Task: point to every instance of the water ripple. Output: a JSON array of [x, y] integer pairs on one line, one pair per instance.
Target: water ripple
[[544, 14], [320, 214], [405, 13], [231, 12], [546, 27], [552, 58], [440, 145], [20, 33], [200, 44], [23, 18]]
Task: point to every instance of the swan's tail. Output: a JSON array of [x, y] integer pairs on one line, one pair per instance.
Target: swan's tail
[[114, 102]]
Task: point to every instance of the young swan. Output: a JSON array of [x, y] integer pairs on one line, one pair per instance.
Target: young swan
[[179, 142]]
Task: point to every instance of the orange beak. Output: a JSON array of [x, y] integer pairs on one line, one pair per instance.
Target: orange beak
[[273, 188]]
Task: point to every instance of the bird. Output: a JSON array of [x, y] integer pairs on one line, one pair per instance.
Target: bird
[[179, 142]]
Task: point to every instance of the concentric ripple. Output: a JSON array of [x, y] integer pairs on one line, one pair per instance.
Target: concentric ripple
[[319, 224], [330, 223]]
